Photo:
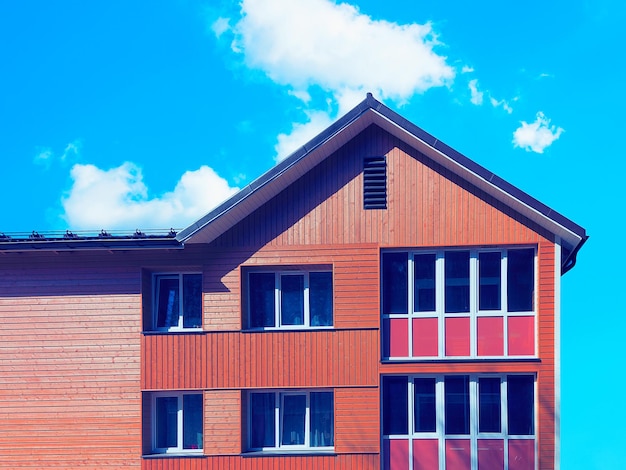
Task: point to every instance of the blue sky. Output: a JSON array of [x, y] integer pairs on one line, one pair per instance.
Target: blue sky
[[125, 115]]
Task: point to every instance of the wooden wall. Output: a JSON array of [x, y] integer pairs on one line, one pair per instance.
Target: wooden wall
[[74, 361]]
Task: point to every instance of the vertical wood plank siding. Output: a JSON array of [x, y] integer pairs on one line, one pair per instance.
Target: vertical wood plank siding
[[222, 422]]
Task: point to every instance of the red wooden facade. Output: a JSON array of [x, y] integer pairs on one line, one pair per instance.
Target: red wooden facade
[[79, 366]]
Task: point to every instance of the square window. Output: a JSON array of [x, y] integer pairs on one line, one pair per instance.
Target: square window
[[293, 299], [291, 420], [177, 301], [177, 422]]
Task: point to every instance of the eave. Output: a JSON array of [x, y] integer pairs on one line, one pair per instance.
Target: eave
[[370, 111]]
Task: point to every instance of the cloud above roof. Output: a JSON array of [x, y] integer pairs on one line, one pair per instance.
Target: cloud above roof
[[536, 136], [334, 47], [118, 198]]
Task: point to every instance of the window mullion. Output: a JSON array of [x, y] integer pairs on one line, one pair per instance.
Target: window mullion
[[179, 440], [278, 418], [277, 300], [473, 281], [307, 310]]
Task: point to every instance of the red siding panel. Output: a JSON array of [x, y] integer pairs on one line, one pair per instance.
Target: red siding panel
[[490, 336], [425, 454], [457, 333], [490, 454], [458, 455], [521, 336], [425, 336]]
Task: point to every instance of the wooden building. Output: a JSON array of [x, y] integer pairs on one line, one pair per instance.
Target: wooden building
[[376, 300]]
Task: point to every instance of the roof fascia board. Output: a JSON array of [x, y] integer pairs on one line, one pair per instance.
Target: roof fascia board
[[485, 180]]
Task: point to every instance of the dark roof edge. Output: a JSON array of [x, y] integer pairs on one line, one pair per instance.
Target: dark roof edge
[[482, 172], [122, 244], [368, 103]]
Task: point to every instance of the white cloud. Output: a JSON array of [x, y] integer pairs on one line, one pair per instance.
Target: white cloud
[[220, 26], [301, 133], [118, 198], [477, 96], [334, 46], [536, 136], [501, 103], [467, 69], [46, 156]]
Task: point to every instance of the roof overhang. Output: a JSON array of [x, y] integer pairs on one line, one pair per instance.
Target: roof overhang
[[368, 112]]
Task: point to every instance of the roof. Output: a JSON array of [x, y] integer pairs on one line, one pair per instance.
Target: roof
[[370, 111], [230, 212]]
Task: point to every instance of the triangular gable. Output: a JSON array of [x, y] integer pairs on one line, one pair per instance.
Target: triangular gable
[[370, 111]]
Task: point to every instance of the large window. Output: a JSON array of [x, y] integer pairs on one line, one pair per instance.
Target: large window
[[177, 424], [290, 420], [458, 303], [177, 301], [459, 421], [290, 299]]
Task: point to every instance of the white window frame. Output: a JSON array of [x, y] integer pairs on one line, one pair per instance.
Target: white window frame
[[278, 275], [474, 434], [156, 285], [279, 396], [179, 449], [474, 313]]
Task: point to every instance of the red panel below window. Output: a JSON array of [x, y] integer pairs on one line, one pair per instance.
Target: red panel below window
[[522, 454], [490, 454], [398, 337], [425, 337], [458, 455], [425, 454], [396, 454], [490, 336], [458, 336], [521, 336]]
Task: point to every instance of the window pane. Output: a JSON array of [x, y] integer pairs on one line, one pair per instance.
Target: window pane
[[322, 419], [294, 415], [490, 281], [262, 420], [457, 281], [262, 305], [166, 422], [424, 283], [489, 419], [521, 404], [321, 298], [292, 299], [192, 421], [520, 280], [457, 404], [395, 283], [192, 300], [167, 302], [425, 416], [395, 405]]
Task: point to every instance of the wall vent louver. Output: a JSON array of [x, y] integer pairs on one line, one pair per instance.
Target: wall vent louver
[[375, 183]]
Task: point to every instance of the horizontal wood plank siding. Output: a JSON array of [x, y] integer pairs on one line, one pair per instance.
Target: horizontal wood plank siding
[[69, 366], [222, 422], [357, 420], [322, 358]]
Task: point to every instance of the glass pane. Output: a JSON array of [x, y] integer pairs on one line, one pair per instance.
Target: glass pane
[[167, 302], [489, 419], [425, 415], [192, 300], [520, 280], [294, 416], [292, 299], [457, 404], [424, 283], [192, 421], [166, 422], [521, 404], [490, 281], [262, 305], [262, 420], [395, 283], [457, 281], [321, 298], [395, 405], [322, 419]]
